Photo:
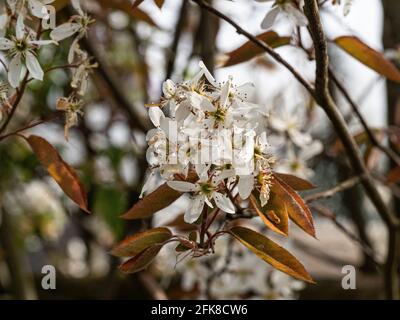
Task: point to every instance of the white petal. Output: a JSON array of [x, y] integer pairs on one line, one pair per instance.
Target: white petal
[[270, 18], [169, 89], [208, 74], [20, 27], [182, 186], [77, 6], [223, 202], [296, 15], [5, 44], [225, 94], [38, 9], [64, 31], [15, 70], [149, 183], [245, 186], [299, 138], [43, 42], [194, 211], [311, 150], [156, 115], [33, 66]]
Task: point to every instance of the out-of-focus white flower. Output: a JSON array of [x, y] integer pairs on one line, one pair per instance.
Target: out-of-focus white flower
[[291, 125], [290, 8], [296, 162], [78, 25], [22, 49]]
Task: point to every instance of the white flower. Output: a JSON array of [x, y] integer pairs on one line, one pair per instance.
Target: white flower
[[287, 7], [290, 124], [36, 7], [204, 191], [22, 50], [78, 25], [296, 162]]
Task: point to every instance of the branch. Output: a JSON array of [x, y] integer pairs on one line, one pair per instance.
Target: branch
[[324, 99], [259, 43], [331, 192], [372, 138]]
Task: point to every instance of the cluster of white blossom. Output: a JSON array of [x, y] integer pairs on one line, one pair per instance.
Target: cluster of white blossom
[[213, 130], [21, 43], [236, 274]]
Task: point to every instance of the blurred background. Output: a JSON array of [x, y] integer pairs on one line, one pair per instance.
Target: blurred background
[[136, 50]]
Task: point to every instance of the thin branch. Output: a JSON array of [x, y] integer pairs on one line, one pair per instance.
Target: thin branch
[[325, 212], [259, 43], [372, 138], [347, 184], [151, 285]]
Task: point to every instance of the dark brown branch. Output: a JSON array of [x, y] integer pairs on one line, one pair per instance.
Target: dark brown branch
[[324, 99]]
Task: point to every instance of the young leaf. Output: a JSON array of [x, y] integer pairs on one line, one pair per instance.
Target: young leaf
[[274, 214], [298, 211], [159, 199], [140, 241], [294, 182], [271, 253], [368, 56], [249, 50], [60, 171], [141, 261]]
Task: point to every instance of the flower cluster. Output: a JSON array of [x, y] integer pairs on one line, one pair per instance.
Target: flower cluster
[[211, 129], [21, 43]]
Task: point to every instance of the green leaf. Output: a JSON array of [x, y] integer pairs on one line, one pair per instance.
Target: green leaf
[[61, 172], [368, 56], [297, 209], [141, 260], [271, 253], [250, 50], [140, 241]]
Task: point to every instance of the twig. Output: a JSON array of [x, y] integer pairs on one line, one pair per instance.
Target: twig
[[331, 192], [152, 286], [372, 138], [259, 43], [325, 212]]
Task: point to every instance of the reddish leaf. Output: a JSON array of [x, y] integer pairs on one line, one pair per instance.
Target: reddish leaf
[[368, 56], [294, 182], [274, 214], [61, 172], [271, 253], [394, 175], [140, 241], [298, 211], [159, 199], [124, 5], [141, 260], [159, 3], [249, 50], [136, 3]]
